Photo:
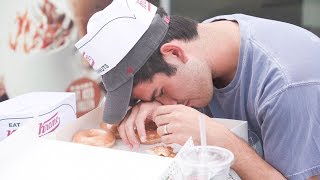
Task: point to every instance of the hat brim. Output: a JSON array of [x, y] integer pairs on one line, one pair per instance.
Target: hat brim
[[117, 103]]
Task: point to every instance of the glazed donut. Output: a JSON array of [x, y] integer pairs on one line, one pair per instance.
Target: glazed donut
[[111, 127], [151, 125], [95, 137], [152, 137], [166, 151]]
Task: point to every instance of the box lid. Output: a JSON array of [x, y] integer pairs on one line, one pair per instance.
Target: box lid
[[31, 104]]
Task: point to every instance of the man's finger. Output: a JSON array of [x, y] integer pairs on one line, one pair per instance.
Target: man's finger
[[163, 119], [165, 130], [122, 132], [165, 109], [130, 126], [140, 123], [168, 139]]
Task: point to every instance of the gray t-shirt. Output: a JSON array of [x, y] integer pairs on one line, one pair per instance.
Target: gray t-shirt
[[277, 90]]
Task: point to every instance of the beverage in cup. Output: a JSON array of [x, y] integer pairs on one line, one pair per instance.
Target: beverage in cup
[[205, 163]]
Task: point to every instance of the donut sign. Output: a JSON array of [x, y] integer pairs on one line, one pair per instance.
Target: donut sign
[[88, 94]]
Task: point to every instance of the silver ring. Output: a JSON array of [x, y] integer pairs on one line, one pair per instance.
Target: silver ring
[[166, 129]]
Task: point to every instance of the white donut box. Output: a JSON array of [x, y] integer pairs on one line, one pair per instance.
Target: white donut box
[[62, 159], [51, 110]]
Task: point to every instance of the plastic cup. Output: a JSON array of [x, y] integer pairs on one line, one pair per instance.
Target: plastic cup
[[205, 162]]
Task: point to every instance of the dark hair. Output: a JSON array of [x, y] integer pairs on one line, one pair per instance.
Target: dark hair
[[180, 28]]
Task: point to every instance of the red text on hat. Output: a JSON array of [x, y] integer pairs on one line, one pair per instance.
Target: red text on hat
[[88, 58], [144, 4]]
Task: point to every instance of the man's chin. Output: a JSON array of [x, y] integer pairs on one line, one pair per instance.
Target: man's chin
[[202, 104]]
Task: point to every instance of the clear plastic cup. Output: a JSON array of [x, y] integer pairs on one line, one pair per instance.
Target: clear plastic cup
[[205, 162]]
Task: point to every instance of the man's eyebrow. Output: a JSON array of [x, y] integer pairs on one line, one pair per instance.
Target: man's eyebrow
[[153, 96]]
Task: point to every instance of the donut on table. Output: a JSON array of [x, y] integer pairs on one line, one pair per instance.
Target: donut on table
[[111, 127], [95, 137], [166, 151]]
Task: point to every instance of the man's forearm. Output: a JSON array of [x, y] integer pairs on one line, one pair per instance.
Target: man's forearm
[[314, 178], [248, 164]]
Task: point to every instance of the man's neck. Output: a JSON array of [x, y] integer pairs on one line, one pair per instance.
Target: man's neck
[[222, 42]]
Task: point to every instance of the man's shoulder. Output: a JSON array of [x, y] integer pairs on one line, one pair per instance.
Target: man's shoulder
[[231, 17]]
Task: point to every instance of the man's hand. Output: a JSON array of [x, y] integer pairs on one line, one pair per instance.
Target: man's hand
[[181, 122], [84, 9], [135, 119]]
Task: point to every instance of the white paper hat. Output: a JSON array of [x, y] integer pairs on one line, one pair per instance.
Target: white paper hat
[[120, 39]]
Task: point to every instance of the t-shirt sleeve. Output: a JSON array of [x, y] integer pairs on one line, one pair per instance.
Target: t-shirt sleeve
[[290, 128]]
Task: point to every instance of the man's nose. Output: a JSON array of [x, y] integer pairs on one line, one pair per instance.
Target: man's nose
[[167, 100]]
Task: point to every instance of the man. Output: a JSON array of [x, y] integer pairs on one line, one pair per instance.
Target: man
[[240, 67]]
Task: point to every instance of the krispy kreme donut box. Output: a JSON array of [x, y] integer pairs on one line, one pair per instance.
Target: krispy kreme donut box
[[92, 120], [52, 110], [62, 159]]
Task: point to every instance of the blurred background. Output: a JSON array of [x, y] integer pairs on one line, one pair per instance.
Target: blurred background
[[305, 13], [37, 39]]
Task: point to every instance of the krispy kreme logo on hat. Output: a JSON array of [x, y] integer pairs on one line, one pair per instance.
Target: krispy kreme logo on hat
[[145, 4], [114, 31], [88, 58]]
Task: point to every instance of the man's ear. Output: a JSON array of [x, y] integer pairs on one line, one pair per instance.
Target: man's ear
[[173, 49]]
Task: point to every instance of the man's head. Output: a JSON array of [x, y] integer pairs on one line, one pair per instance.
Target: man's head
[[180, 28], [128, 44], [171, 75]]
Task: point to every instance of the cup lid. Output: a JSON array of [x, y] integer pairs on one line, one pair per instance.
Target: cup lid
[[212, 156]]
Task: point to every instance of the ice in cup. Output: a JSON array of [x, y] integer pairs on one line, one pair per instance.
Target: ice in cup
[[205, 162]]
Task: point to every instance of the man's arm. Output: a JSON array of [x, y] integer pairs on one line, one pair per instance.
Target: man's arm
[[248, 164], [313, 178], [182, 122]]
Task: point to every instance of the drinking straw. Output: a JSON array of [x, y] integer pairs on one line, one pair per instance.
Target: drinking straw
[[202, 125], [203, 138]]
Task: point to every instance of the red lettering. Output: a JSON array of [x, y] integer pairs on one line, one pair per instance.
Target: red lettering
[[9, 132], [144, 4], [49, 125], [88, 58]]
